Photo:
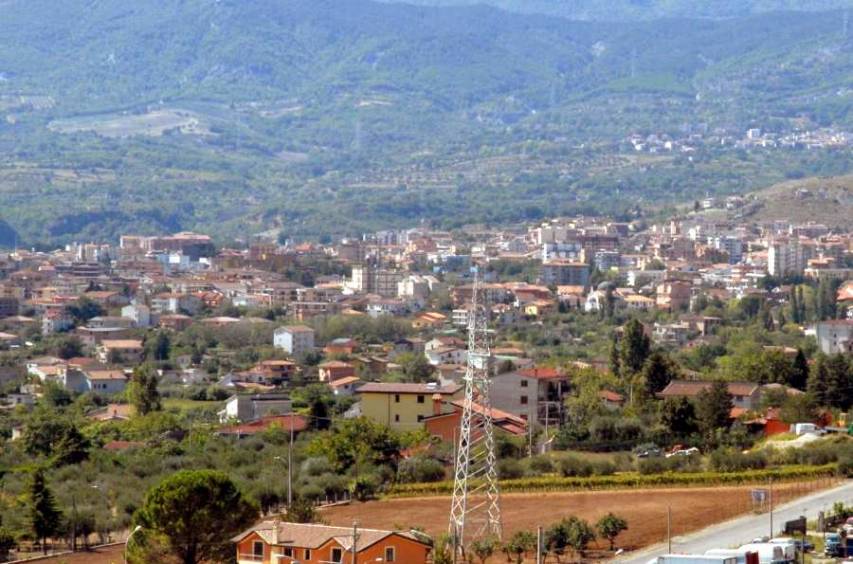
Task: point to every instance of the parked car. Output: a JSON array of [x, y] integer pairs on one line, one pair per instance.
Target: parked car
[[684, 452], [832, 544], [650, 450], [807, 429]]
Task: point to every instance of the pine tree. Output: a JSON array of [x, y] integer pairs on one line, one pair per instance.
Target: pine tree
[[800, 372], [44, 517], [658, 371], [634, 349], [818, 382], [142, 391], [713, 408], [614, 356], [839, 376]]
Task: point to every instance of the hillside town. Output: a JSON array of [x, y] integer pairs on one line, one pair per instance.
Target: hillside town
[[604, 336]]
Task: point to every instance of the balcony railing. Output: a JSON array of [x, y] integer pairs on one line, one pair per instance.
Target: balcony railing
[[249, 557]]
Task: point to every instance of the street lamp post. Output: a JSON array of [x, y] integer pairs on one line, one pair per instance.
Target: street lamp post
[[127, 540]]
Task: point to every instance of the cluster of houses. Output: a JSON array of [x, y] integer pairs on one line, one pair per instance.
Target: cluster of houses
[[424, 276]]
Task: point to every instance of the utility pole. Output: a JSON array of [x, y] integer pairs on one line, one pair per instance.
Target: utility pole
[[539, 546], [771, 508], [73, 523], [355, 542], [669, 529], [290, 466]]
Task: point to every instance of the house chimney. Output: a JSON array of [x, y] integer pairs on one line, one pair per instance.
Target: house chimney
[[275, 524], [436, 404]]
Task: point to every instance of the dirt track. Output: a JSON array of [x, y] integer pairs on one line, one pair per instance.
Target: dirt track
[[645, 510]]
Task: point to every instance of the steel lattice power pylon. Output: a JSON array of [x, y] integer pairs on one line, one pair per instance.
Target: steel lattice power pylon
[[475, 511]]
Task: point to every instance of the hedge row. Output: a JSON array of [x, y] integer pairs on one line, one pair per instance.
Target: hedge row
[[629, 480]]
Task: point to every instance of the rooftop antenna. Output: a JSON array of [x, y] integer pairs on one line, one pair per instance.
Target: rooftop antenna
[[475, 510]]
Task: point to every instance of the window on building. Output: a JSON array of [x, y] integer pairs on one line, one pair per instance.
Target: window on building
[[396, 418], [420, 418], [390, 554], [396, 398], [524, 383], [257, 548], [420, 399], [288, 552], [307, 554], [523, 400], [337, 555]]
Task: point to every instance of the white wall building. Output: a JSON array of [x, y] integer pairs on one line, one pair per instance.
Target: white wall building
[[296, 340]]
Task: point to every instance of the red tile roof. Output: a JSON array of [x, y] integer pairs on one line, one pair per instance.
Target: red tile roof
[[541, 373], [611, 396], [691, 388]]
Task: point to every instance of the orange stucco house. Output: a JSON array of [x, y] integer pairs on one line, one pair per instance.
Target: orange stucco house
[[277, 542]]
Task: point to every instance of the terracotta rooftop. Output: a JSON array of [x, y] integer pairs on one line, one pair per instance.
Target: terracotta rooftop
[[541, 373], [401, 388], [691, 388], [307, 535]]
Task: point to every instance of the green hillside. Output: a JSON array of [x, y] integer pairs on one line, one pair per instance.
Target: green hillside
[[633, 10], [333, 116]]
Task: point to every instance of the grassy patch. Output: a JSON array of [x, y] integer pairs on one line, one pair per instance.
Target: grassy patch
[[187, 405]]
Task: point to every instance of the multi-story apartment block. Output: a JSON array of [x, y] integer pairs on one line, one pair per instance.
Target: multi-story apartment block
[[296, 340]]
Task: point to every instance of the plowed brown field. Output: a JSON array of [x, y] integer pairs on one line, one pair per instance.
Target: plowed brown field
[[645, 510]]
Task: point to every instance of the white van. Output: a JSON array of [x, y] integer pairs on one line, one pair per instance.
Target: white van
[[767, 553], [806, 429], [789, 545]]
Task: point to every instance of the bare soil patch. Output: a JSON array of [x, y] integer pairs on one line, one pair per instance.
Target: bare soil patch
[[645, 510]]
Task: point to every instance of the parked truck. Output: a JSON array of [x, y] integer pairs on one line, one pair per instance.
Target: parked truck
[[743, 556]]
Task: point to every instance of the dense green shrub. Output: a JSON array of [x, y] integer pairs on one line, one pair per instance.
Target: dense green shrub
[[420, 469], [510, 468], [656, 465], [539, 465], [731, 460]]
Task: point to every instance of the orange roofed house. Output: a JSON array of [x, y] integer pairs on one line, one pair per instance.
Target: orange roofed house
[[274, 542]]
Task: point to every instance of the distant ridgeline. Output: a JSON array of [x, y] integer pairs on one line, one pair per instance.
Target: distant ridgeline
[[632, 10], [332, 117]]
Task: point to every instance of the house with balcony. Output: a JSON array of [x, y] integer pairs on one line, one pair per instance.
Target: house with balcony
[[279, 542], [534, 394]]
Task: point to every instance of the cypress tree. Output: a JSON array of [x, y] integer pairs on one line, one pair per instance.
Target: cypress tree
[[614, 356], [800, 372], [635, 348], [818, 382], [44, 516], [795, 306]]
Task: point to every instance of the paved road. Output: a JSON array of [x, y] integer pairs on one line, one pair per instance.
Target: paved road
[[743, 529]]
